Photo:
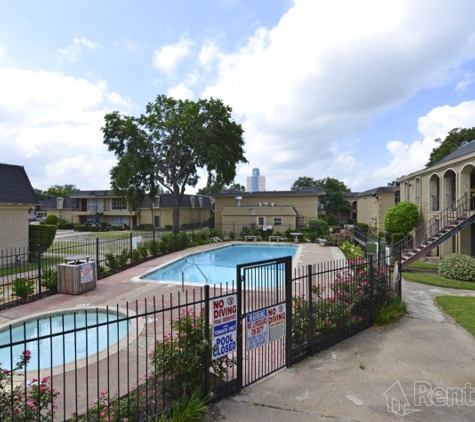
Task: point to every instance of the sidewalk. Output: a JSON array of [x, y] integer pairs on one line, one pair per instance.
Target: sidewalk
[[352, 381]]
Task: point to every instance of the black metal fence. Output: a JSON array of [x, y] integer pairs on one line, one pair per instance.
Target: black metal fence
[[27, 275], [136, 362]]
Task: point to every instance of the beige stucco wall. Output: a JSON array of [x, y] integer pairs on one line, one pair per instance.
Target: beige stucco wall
[[13, 227], [234, 219], [371, 210], [306, 205], [187, 215], [441, 185]]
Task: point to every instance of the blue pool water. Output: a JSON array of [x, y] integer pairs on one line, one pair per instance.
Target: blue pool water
[[218, 265], [57, 348]]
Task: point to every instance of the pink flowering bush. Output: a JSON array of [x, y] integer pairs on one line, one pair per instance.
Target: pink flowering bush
[[346, 302], [17, 403], [179, 361]]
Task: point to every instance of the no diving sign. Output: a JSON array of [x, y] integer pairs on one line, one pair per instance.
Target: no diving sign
[[224, 325]]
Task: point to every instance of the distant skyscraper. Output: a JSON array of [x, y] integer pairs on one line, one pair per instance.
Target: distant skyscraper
[[256, 183]]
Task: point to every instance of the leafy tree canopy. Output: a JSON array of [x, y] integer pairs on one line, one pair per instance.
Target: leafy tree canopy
[[168, 144], [65, 190], [213, 189], [402, 218], [334, 192], [456, 138]]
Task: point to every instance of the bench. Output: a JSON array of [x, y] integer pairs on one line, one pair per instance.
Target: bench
[[276, 238], [253, 238]]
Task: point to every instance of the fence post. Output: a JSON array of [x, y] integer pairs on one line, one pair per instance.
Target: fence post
[[208, 341], [371, 291], [97, 255], [399, 274], [310, 308], [240, 345], [131, 247], [288, 312], [39, 271]]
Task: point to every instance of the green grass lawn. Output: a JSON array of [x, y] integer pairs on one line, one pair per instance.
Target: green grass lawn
[[461, 309], [435, 280]]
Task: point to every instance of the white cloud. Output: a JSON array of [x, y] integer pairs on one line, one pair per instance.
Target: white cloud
[[167, 58], [321, 75], [76, 49], [180, 92], [3, 49], [408, 158], [51, 124]]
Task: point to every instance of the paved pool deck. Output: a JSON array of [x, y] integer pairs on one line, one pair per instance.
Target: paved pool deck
[[124, 287]]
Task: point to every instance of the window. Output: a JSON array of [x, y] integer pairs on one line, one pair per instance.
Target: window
[[157, 202], [119, 204], [261, 221], [277, 221]]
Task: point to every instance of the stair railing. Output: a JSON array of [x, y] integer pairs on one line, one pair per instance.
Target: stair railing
[[436, 225]]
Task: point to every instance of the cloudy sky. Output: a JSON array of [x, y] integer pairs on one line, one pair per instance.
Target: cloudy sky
[[355, 90]]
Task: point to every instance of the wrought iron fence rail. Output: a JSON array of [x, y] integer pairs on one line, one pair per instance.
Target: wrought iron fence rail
[[140, 375]]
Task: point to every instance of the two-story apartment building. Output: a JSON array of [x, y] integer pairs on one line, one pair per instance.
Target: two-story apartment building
[[372, 206], [17, 202], [236, 210], [438, 188], [99, 207]]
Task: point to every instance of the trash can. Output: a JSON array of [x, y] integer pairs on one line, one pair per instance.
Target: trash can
[[77, 275]]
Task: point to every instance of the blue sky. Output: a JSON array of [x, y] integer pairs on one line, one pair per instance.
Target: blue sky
[[358, 91]]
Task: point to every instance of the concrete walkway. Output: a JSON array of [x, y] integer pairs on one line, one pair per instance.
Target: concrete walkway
[[399, 372]]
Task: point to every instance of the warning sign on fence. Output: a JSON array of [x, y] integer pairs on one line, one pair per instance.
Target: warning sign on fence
[[276, 320], [257, 333], [224, 320]]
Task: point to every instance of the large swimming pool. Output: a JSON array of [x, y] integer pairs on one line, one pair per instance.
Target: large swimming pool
[[217, 265]]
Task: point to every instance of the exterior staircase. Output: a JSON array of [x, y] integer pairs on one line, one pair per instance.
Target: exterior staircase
[[95, 219], [429, 235]]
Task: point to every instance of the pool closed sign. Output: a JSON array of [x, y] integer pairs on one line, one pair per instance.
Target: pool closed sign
[[224, 325]]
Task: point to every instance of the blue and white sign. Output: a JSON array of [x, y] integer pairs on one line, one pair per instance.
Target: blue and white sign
[[257, 332], [224, 320]]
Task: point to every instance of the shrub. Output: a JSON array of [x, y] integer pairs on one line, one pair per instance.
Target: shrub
[[23, 287], [341, 237], [40, 237], [332, 220], [318, 225], [457, 267], [35, 403], [52, 220], [391, 312], [363, 227], [351, 250], [178, 361], [49, 280]]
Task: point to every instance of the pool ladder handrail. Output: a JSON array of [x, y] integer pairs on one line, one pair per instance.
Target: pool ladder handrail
[[183, 275], [214, 241]]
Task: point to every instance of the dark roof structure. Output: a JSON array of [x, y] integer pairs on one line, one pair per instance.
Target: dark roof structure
[[465, 149], [15, 187], [381, 189], [307, 191]]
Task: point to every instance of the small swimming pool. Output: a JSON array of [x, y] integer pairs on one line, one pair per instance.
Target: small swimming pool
[[59, 339], [217, 265]]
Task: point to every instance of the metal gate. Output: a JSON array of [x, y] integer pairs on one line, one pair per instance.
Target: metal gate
[[263, 314]]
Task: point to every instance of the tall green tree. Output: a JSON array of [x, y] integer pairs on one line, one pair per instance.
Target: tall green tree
[[304, 182], [213, 189], [65, 190], [456, 138], [334, 200], [168, 144], [401, 219]]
